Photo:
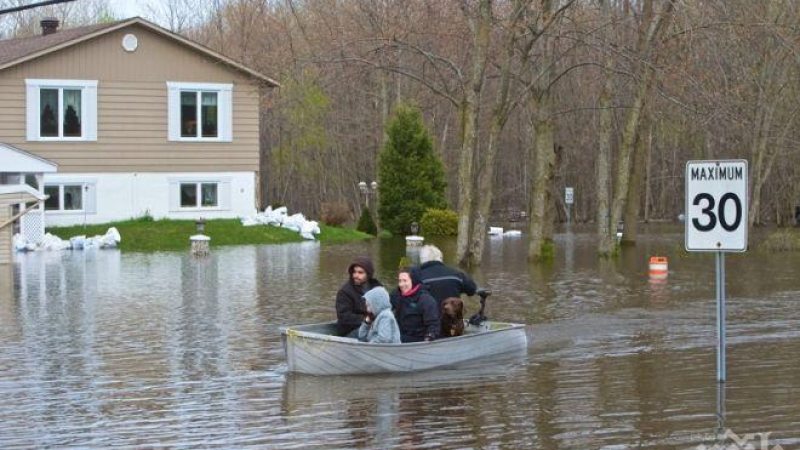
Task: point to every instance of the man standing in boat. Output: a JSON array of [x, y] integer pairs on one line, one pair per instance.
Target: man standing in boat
[[442, 282], [350, 305]]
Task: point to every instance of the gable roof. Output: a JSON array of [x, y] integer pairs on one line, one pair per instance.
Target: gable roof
[[17, 51], [15, 160]]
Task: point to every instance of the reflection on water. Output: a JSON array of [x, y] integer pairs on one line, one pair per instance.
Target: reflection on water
[[104, 349]]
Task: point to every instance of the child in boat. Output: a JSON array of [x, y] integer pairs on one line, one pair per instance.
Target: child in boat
[[379, 325]]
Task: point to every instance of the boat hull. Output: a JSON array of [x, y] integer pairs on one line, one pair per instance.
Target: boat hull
[[315, 350]]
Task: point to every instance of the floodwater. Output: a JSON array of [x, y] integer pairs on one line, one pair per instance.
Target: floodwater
[[102, 349]]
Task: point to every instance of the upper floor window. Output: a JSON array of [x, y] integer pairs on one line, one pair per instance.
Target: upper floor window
[[200, 111], [61, 110]]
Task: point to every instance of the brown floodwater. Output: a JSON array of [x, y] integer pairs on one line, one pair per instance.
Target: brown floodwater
[[102, 349]]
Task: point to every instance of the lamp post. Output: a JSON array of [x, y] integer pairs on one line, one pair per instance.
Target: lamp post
[[368, 190]]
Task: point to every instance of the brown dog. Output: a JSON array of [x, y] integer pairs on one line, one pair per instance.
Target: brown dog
[[452, 317]]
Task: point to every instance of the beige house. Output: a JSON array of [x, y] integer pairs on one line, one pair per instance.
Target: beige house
[[138, 120]]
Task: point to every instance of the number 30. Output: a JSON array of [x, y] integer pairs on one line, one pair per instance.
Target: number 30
[[708, 210]]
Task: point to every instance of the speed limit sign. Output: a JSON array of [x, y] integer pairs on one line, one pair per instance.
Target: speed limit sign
[[716, 206]]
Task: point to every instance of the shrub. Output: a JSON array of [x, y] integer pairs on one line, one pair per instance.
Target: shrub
[[366, 224], [410, 174], [335, 213], [439, 222]]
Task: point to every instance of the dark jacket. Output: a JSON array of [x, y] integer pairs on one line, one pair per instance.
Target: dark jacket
[[350, 306], [444, 282], [417, 316]]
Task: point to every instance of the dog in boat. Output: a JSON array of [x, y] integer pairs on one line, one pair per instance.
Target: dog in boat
[[452, 317]]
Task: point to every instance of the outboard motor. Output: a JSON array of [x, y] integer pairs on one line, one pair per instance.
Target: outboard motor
[[479, 316]]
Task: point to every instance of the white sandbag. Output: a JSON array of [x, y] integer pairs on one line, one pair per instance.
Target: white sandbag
[[495, 231], [289, 226], [250, 221], [50, 242], [110, 239], [92, 243], [113, 235], [295, 219], [20, 244], [77, 242]]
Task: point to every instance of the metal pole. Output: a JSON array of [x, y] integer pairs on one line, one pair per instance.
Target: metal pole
[[720, 410], [721, 317]]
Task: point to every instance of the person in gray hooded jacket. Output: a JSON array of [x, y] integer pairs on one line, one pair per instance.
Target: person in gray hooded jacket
[[379, 325]]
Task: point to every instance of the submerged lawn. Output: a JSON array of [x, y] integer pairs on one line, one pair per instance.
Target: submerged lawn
[[147, 235]]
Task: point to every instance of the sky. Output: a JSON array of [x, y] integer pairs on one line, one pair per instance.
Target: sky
[[128, 8]]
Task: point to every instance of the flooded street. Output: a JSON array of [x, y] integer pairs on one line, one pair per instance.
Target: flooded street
[[102, 349]]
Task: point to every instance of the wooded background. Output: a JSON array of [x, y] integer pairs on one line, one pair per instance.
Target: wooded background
[[523, 98]]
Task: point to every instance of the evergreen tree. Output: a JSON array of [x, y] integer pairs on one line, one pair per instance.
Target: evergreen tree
[[410, 174], [366, 224]]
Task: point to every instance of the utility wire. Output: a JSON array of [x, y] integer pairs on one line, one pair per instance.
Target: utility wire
[[32, 5]]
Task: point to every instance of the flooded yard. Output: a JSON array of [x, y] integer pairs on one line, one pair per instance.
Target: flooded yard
[[102, 349]]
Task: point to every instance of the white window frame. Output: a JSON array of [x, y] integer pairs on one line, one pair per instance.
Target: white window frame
[[61, 187], [224, 193], [88, 195], [88, 88], [198, 185], [224, 110]]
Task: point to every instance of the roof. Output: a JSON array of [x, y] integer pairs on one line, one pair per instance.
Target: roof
[[17, 51], [15, 160], [17, 192]]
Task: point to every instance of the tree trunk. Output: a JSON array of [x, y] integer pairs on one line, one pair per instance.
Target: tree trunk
[[634, 196], [647, 173], [622, 185], [480, 30], [485, 173], [544, 169], [469, 125], [605, 244]]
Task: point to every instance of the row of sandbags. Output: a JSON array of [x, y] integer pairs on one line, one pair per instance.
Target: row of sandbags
[[498, 231], [111, 239], [279, 217]]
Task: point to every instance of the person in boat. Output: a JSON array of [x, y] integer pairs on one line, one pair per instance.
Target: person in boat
[[441, 281], [379, 324], [416, 311], [350, 305]]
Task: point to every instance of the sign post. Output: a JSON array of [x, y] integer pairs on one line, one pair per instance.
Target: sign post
[[716, 221], [569, 198]]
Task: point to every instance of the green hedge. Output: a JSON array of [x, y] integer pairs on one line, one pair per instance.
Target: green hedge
[[439, 222]]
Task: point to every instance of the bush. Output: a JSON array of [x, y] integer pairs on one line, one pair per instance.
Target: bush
[[335, 213], [410, 174], [439, 222], [366, 224]]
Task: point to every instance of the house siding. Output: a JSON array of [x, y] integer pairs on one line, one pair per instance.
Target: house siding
[[132, 107]]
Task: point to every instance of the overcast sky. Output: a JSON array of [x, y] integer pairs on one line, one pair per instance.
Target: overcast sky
[[128, 8]]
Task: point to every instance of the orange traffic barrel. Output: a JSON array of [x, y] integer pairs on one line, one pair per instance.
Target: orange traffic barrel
[[659, 267]]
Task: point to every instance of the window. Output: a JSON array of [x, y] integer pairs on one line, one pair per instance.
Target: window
[[64, 197], [199, 195], [61, 110], [199, 122], [200, 112]]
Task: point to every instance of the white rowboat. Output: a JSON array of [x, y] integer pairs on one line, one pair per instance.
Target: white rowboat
[[316, 350]]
